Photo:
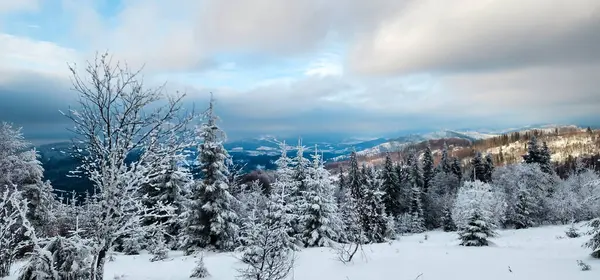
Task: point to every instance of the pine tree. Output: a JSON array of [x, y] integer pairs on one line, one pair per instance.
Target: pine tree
[[478, 168], [477, 232], [374, 219], [341, 187], [390, 187], [416, 211], [211, 222], [427, 169], [488, 168], [285, 188], [320, 221], [267, 252], [167, 184], [525, 208], [533, 151], [354, 178], [445, 165], [200, 270], [546, 159], [456, 169], [594, 242], [447, 221]]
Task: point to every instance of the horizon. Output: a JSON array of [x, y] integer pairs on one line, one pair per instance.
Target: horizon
[[312, 67]]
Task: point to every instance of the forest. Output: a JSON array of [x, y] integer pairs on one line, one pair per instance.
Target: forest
[[155, 203]]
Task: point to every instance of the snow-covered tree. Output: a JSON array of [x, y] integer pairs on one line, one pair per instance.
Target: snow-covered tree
[[168, 182], [428, 169], [211, 221], [61, 259], [488, 168], [390, 186], [320, 219], [477, 168], [19, 166], [525, 207], [445, 164], [456, 169], [12, 207], [474, 211], [113, 120], [416, 211], [200, 270], [546, 159], [477, 231], [594, 242], [267, 251], [525, 179], [373, 217], [285, 187], [341, 186]]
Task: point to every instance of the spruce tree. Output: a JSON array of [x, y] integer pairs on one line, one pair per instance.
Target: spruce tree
[[374, 219], [445, 164], [534, 154], [478, 168], [456, 169], [211, 221], [390, 187], [594, 242], [447, 221], [341, 186], [524, 209], [354, 178], [416, 211], [477, 231], [546, 159], [488, 169], [320, 215], [427, 169]]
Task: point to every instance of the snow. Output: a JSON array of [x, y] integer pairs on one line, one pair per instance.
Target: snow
[[535, 253]]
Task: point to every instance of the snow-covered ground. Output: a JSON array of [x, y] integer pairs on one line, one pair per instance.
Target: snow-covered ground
[[539, 253]]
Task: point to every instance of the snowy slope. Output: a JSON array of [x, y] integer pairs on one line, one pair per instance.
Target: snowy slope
[[531, 254]]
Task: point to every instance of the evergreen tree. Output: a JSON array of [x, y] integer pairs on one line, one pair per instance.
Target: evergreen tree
[[285, 188], [267, 251], [405, 187], [525, 208], [416, 175], [167, 184], [594, 242], [320, 221], [534, 154], [374, 219], [354, 178], [456, 169], [390, 187], [416, 211], [211, 221], [488, 169], [341, 186], [445, 164], [478, 168], [477, 232], [546, 159], [427, 169], [447, 221]]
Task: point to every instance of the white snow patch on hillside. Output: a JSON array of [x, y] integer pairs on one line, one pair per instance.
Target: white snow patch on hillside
[[531, 254]]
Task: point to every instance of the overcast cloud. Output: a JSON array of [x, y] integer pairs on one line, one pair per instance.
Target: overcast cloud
[[358, 67]]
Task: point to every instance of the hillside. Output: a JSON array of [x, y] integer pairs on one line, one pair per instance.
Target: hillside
[[565, 143], [535, 253]]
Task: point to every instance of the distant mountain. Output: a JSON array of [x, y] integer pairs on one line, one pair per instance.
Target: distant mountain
[[399, 143]]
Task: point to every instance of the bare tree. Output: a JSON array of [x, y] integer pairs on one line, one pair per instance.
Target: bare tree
[[116, 117]]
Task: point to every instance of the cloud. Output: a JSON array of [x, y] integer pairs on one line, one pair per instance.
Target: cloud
[[472, 35], [317, 65]]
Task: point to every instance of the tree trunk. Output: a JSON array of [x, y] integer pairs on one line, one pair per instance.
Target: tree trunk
[[98, 265]]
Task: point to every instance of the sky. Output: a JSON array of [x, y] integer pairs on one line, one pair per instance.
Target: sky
[[285, 67]]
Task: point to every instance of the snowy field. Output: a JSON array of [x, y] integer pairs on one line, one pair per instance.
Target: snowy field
[[536, 253]]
